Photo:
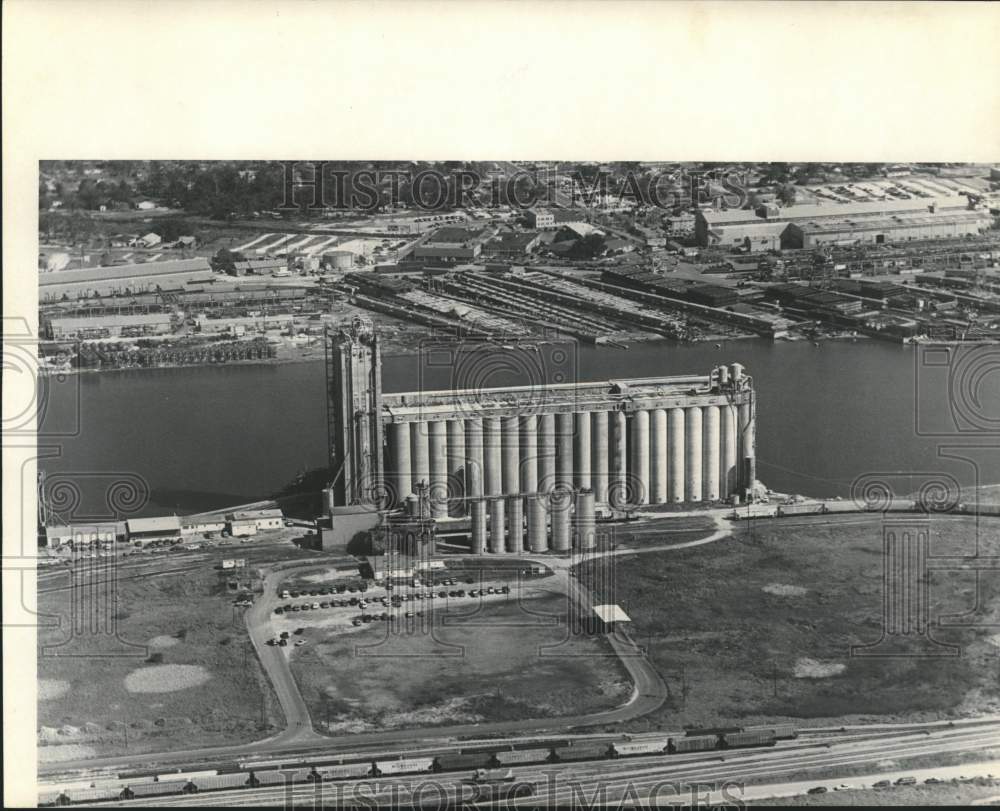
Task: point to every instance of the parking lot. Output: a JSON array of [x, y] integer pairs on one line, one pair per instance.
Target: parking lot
[[355, 603]]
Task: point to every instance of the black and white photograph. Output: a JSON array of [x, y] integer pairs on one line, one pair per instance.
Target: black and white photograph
[[411, 477]]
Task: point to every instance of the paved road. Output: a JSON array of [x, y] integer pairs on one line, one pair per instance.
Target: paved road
[[298, 725], [648, 694]]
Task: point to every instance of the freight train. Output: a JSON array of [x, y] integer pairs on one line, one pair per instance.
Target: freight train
[[256, 774], [899, 505]]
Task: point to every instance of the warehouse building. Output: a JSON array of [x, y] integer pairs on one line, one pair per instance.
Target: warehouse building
[[242, 325], [738, 228], [109, 326], [102, 533], [770, 227], [259, 267], [271, 518], [154, 531], [191, 525], [880, 230], [121, 280], [512, 246], [451, 243]]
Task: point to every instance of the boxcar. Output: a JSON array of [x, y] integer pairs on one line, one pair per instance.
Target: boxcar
[[695, 743], [781, 731], [522, 756], [657, 746], [90, 795], [140, 790], [736, 740], [404, 766], [276, 777], [347, 771], [454, 762], [590, 751], [800, 509], [220, 782]]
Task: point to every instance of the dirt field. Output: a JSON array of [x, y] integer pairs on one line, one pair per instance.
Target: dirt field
[[468, 662], [181, 671], [755, 629]]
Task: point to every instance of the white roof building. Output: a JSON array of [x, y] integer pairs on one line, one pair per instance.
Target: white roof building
[[611, 613]]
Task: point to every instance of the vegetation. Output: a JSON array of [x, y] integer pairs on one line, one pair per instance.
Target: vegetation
[[760, 627]]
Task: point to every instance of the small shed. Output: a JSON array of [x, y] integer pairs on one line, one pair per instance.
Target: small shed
[[607, 616]]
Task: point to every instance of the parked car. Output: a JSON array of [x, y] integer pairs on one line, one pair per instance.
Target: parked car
[[882, 784], [906, 781], [817, 790]]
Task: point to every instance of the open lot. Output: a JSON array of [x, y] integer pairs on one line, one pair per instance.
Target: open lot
[[179, 671], [759, 627], [464, 659]]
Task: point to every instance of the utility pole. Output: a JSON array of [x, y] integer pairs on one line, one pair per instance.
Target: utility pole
[[774, 677]]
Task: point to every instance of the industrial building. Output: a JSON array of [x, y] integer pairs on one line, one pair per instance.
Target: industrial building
[[527, 466], [102, 533], [259, 267], [512, 246], [270, 518], [109, 326], [805, 226], [194, 526], [177, 274], [241, 325], [547, 218], [451, 243], [878, 230], [737, 228], [541, 218], [146, 531]]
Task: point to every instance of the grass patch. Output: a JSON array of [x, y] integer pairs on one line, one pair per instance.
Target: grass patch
[[178, 619], [498, 663], [731, 646]]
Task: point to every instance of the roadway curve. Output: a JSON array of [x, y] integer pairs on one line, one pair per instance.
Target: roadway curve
[[648, 692]]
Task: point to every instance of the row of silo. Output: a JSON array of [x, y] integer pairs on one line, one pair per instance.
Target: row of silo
[[680, 454], [558, 522]]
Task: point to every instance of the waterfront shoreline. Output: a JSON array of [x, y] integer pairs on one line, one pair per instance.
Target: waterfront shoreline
[[401, 351]]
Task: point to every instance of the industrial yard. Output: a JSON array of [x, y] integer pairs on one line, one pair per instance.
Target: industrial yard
[[526, 554], [910, 254]]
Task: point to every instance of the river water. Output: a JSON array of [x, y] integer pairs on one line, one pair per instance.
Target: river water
[[203, 438]]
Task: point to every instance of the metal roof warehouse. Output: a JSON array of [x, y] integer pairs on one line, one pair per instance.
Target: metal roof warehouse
[[111, 280]]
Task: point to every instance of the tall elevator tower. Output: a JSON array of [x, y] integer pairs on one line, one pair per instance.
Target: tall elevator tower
[[354, 414]]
